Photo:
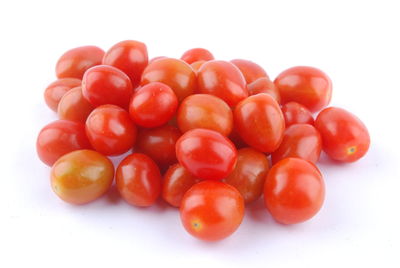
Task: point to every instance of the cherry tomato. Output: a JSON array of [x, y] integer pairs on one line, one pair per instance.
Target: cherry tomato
[[59, 138], [344, 137], [153, 105], [207, 154], [74, 107], [157, 58], [264, 85], [306, 85], [222, 79], [110, 130], [138, 180], [130, 57], [177, 180], [177, 74], [295, 113], [205, 111], [249, 174], [212, 210], [250, 70], [81, 176], [197, 64], [106, 85], [56, 90], [76, 61], [294, 191], [259, 122], [197, 54]]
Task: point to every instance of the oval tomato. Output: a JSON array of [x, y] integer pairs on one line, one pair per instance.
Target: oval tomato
[[197, 54], [56, 90], [74, 107], [250, 70], [295, 113], [264, 85]]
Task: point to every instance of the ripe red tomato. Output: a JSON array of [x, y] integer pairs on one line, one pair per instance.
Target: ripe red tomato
[[153, 105], [82, 176], [207, 154], [59, 138], [138, 180], [294, 190], [197, 54], [106, 85], [295, 113], [76, 61], [205, 111], [74, 107], [212, 210], [306, 85], [177, 74], [344, 137], [56, 90], [197, 64], [130, 57], [250, 70], [249, 174], [110, 130], [264, 85], [259, 122], [222, 79]]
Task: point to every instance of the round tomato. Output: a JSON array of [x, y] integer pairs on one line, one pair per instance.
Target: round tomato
[[295, 113], [74, 107], [250, 70], [264, 85], [56, 90], [197, 54]]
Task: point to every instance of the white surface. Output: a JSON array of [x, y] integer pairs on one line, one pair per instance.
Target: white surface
[[355, 42]]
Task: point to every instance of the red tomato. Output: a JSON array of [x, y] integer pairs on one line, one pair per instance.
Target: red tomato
[[76, 61], [197, 64], [344, 137], [82, 176], [197, 54], [249, 174], [259, 122], [250, 70], [264, 85], [294, 191], [130, 57], [222, 79], [110, 130], [212, 210], [295, 113], [205, 111], [157, 58], [153, 105], [74, 107], [59, 138], [306, 85], [207, 154], [56, 90], [106, 85], [138, 180]]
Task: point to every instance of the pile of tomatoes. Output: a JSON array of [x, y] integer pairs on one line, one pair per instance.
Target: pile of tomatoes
[[201, 134]]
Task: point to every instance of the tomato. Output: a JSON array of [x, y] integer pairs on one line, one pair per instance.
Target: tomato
[[81, 176], [59, 138], [138, 180], [76, 61], [250, 70], [177, 180], [295, 113], [153, 105], [106, 85], [110, 130], [56, 90], [157, 58], [205, 111], [264, 85], [301, 141], [207, 154], [197, 64], [212, 210], [249, 174], [294, 191], [130, 57], [259, 122], [344, 137], [74, 107], [306, 85], [197, 54], [177, 74], [222, 79]]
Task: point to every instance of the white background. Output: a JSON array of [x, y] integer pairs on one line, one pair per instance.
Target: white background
[[356, 42]]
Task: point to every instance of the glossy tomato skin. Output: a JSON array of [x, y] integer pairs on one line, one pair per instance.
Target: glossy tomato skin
[[308, 86], [207, 154], [222, 79], [250, 70], [294, 191], [138, 180], [176, 74], [197, 64], [249, 174], [295, 113], [130, 57], [59, 138], [153, 105], [74, 107], [205, 111], [56, 90], [211, 210], [264, 85], [157, 58], [197, 54], [344, 137], [82, 176], [110, 130], [76, 61], [105, 84], [259, 122]]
